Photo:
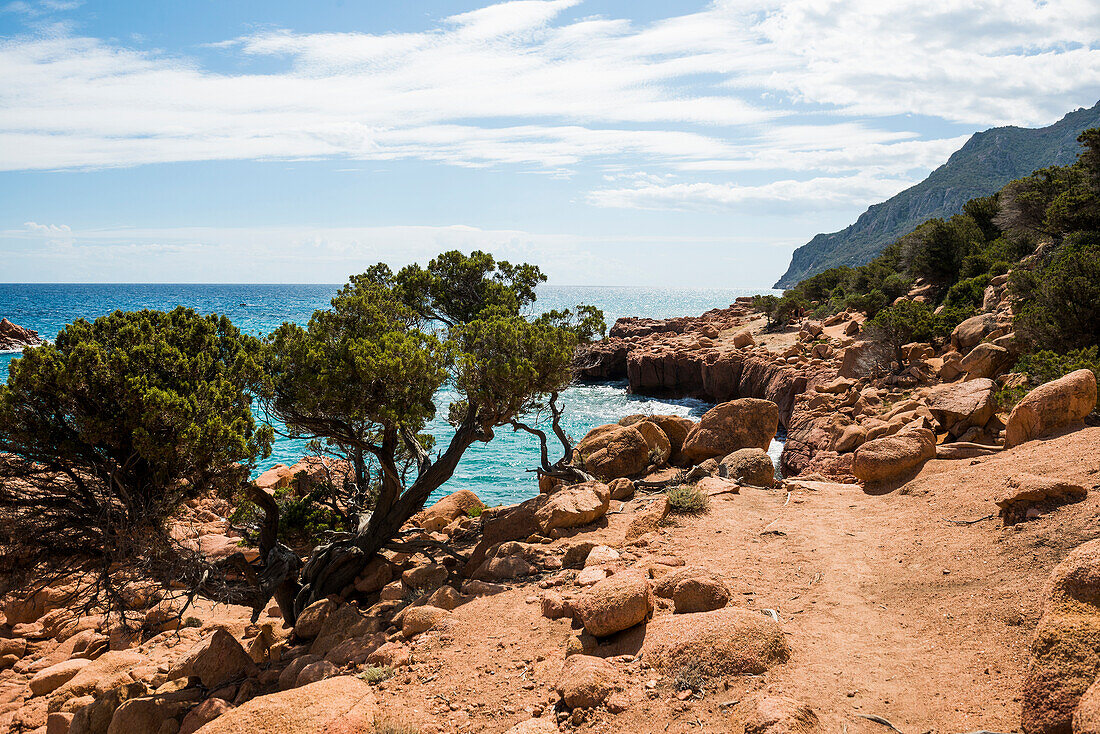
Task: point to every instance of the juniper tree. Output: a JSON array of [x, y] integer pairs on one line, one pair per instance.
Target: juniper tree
[[364, 373], [106, 432]]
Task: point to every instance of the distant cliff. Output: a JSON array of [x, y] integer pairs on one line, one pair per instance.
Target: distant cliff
[[987, 162]]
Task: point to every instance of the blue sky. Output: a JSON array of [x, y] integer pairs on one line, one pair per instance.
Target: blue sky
[[613, 143]]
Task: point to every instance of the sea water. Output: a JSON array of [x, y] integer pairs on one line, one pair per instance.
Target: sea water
[[497, 471]]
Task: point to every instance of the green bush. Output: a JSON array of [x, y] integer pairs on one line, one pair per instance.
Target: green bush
[[1046, 365], [376, 673], [109, 430], [968, 293], [685, 499], [1060, 308]]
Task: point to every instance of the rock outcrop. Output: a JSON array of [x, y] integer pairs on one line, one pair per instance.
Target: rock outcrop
[[726, 641], [728, 427], [1065, 648], [1052, 406], [14, 337]]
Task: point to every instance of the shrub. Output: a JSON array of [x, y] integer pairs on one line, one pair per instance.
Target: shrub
[[905, 322], [1061, 301], [108, 431], [374, 674], [686, 499], [967, 293], [1046, 365]]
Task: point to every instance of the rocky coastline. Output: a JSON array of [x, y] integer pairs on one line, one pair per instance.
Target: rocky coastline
[[15, 338], [682, 586]]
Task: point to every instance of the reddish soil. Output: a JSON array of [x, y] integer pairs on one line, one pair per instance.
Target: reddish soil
[[912, 603]]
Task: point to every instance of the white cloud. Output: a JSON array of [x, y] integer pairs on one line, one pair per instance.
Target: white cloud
[[804, 92], [822, 191], [47, 229]]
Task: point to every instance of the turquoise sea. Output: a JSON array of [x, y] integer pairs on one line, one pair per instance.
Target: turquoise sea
[[496, 471]]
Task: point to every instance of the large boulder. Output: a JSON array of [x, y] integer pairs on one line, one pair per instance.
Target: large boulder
[[748, 466], [985, 360], [447, 510], [1024, 492], [203, 714], [676, 428], [660, 448], [49, 679], [738, 424], [150, 713], [110, 670], [1065, 648], [968, 333], [343, 704], [1051, 406], [573, 506], [727, 641], [215, 661], [891, 457], [961, 405], [614, 604], [310, 621], [415, 620], [343, 623], [587, 681], [693, 589], [613, 451]]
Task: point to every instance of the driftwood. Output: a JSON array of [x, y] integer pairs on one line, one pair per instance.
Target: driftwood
[[965, 450], [880, 720]]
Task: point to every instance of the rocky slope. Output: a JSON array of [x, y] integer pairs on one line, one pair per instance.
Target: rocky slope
[[987, 161]]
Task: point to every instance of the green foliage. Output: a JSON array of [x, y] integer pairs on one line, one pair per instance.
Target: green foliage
[[475, 511], [375, 674], [1043, 228], [587, 322], [457, 288], [1045, 366], [362, 363], [362, 375], [779, 310], [1060, 307], [903, 323], [113, 426], [935, 250], [967, 293], [687, 499]]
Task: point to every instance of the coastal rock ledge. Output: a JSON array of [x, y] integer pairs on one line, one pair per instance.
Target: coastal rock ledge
[[14, 337]]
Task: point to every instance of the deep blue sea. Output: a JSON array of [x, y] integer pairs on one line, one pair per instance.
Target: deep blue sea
[[496, 471]]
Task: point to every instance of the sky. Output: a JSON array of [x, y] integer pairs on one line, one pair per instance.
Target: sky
[[630, 142]]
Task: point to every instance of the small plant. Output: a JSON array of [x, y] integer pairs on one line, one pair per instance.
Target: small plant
[[192, 622], [475, 511], [389, 726], [685, 499], [690, 679], [375, 674]]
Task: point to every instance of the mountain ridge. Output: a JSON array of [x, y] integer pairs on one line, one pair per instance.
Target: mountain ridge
[[986, 162]]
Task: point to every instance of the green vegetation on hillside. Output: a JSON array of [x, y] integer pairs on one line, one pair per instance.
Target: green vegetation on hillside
[[1044, 228], [988, 161]]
